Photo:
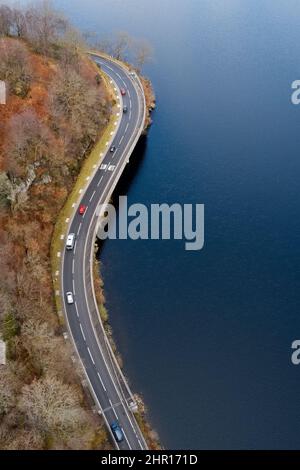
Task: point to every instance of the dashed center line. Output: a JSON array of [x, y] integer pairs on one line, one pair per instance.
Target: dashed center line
[[91, 355], [112, 407], [100, 181], [76, 310], [92, 196], [101, 381], [82, 331]]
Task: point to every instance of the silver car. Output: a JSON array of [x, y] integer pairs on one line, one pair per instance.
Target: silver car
[[70, 298]]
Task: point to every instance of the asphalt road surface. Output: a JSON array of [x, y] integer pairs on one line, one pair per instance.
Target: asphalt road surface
[[110, 392]]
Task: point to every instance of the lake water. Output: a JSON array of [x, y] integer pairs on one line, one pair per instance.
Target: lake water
[[206, 336]]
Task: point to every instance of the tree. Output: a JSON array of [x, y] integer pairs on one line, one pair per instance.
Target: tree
[[28, 143], [51, 406], [6, 20], [5, 189], [14, 67], [121, 45], [45, 26], [143, 52]]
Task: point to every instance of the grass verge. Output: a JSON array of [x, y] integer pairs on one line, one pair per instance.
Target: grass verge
[[60, 230]]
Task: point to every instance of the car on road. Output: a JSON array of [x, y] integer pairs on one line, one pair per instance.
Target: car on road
[[70, 298], [70, 241], [82, 209], [117, 431], [125, 109], [112, 148], [123, 91]]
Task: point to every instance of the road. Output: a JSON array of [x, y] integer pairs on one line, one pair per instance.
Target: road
[[103, 377]]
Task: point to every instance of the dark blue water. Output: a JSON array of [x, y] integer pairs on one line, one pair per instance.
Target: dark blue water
[[205, 336]]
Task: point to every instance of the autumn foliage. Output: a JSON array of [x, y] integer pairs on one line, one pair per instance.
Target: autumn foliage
[[56, 109]]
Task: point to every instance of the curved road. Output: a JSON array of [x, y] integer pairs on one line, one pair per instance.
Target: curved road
[[105, 380]]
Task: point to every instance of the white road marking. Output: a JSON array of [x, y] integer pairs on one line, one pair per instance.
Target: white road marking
[[126, 439], [101, 381], [82, 332], [129, 115], [103, 166], [140, 444], [126, 128], [79, 228], [76, 310], [75, 245], [100, 181], [73, 282], [111, 167], [121, 139], [73, 263], [112, 407], [91, 355], [128, 92], [92, 196]]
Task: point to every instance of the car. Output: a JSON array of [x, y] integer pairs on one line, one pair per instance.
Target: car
[[112, 148], [125, 109], [82, 209], [117, 431], [123, 91], [70, 298], [70, 241]]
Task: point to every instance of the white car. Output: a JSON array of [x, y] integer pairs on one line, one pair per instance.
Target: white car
[[70, 241], [70, 298]]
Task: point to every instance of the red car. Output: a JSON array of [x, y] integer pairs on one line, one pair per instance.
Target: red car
[[123, 91], [82, 209]]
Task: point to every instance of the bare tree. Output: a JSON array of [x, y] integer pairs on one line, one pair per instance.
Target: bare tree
[[6, 20], [28, 142], [143, 52], [121, 45], [52, 406], [45, 26], [14, 67]]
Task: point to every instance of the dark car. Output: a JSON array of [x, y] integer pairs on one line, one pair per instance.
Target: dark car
[[125, 109], [117, 432], [112, 148]]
